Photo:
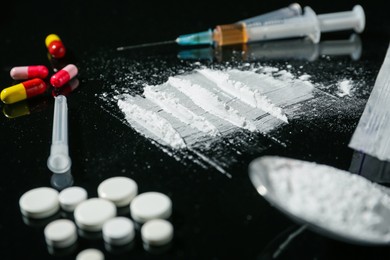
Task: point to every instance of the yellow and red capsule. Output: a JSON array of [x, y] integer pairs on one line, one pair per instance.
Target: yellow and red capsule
[[22, 91], [55, 46], [29, 72]]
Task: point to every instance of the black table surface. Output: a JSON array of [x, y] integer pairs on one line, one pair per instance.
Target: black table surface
[[214, 217]]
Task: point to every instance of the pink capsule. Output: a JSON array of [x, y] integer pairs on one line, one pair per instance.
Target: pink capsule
[[63, 76], [29, 72]]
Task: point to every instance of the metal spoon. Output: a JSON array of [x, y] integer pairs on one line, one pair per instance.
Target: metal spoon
[[262, 168]]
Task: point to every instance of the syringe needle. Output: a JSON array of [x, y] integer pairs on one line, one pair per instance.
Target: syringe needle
[[59, 160], [123, 48]]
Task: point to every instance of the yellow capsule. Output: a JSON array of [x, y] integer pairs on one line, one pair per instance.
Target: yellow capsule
[[50, 38], [13, 94]]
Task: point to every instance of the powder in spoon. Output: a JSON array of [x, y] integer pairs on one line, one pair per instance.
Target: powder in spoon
[[336, 200]]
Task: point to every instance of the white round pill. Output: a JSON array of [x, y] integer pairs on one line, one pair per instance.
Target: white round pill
[[60, 233], [91, 214], [70, 197], [118, 231], [39, 202], [157, 232], [120, 190], [150, 205], [90, 254]]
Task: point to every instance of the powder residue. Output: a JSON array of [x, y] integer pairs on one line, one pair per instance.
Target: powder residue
[[345, 88], [330, 198]]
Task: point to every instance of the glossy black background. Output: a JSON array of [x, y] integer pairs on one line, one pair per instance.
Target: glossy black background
[[214, 217]]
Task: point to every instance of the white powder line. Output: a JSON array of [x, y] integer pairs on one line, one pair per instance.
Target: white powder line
[[211, 103], [279, 92], [151, 121], [243, 92], [222, 125], [171, 104]]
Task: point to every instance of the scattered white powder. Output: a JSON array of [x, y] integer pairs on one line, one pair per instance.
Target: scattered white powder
[[304, 77], [335, 200], [344, 88]]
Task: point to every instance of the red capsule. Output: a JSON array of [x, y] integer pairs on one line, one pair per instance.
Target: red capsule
[[55, 46], [29, 72], [63, 76]]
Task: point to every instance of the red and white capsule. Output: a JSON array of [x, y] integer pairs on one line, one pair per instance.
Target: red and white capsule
[[63, 76], [29, 72]]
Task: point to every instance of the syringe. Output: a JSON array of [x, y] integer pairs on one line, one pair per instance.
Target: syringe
[[59, 160], [206, 37], [307, 25]]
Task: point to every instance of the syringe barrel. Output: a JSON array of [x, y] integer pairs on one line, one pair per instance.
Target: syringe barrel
[[234, 32], [282, 13], [348, 20], [301, 26]]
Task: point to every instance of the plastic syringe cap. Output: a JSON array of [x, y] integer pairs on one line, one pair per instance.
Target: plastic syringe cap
[[359, 11], [199, 38], [315, 34], [59, 163]]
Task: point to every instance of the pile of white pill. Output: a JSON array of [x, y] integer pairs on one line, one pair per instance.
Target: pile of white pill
[[99, 214]]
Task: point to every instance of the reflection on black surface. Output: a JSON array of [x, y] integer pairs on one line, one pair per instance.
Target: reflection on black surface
[[370, 167], [297, 49], [62, 251], [40, 223], [123, 211], [60, 181], [137, 225], [277, 245], [92, 235], [25, 107], [118, 250], [157, 250], [68, 88]]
